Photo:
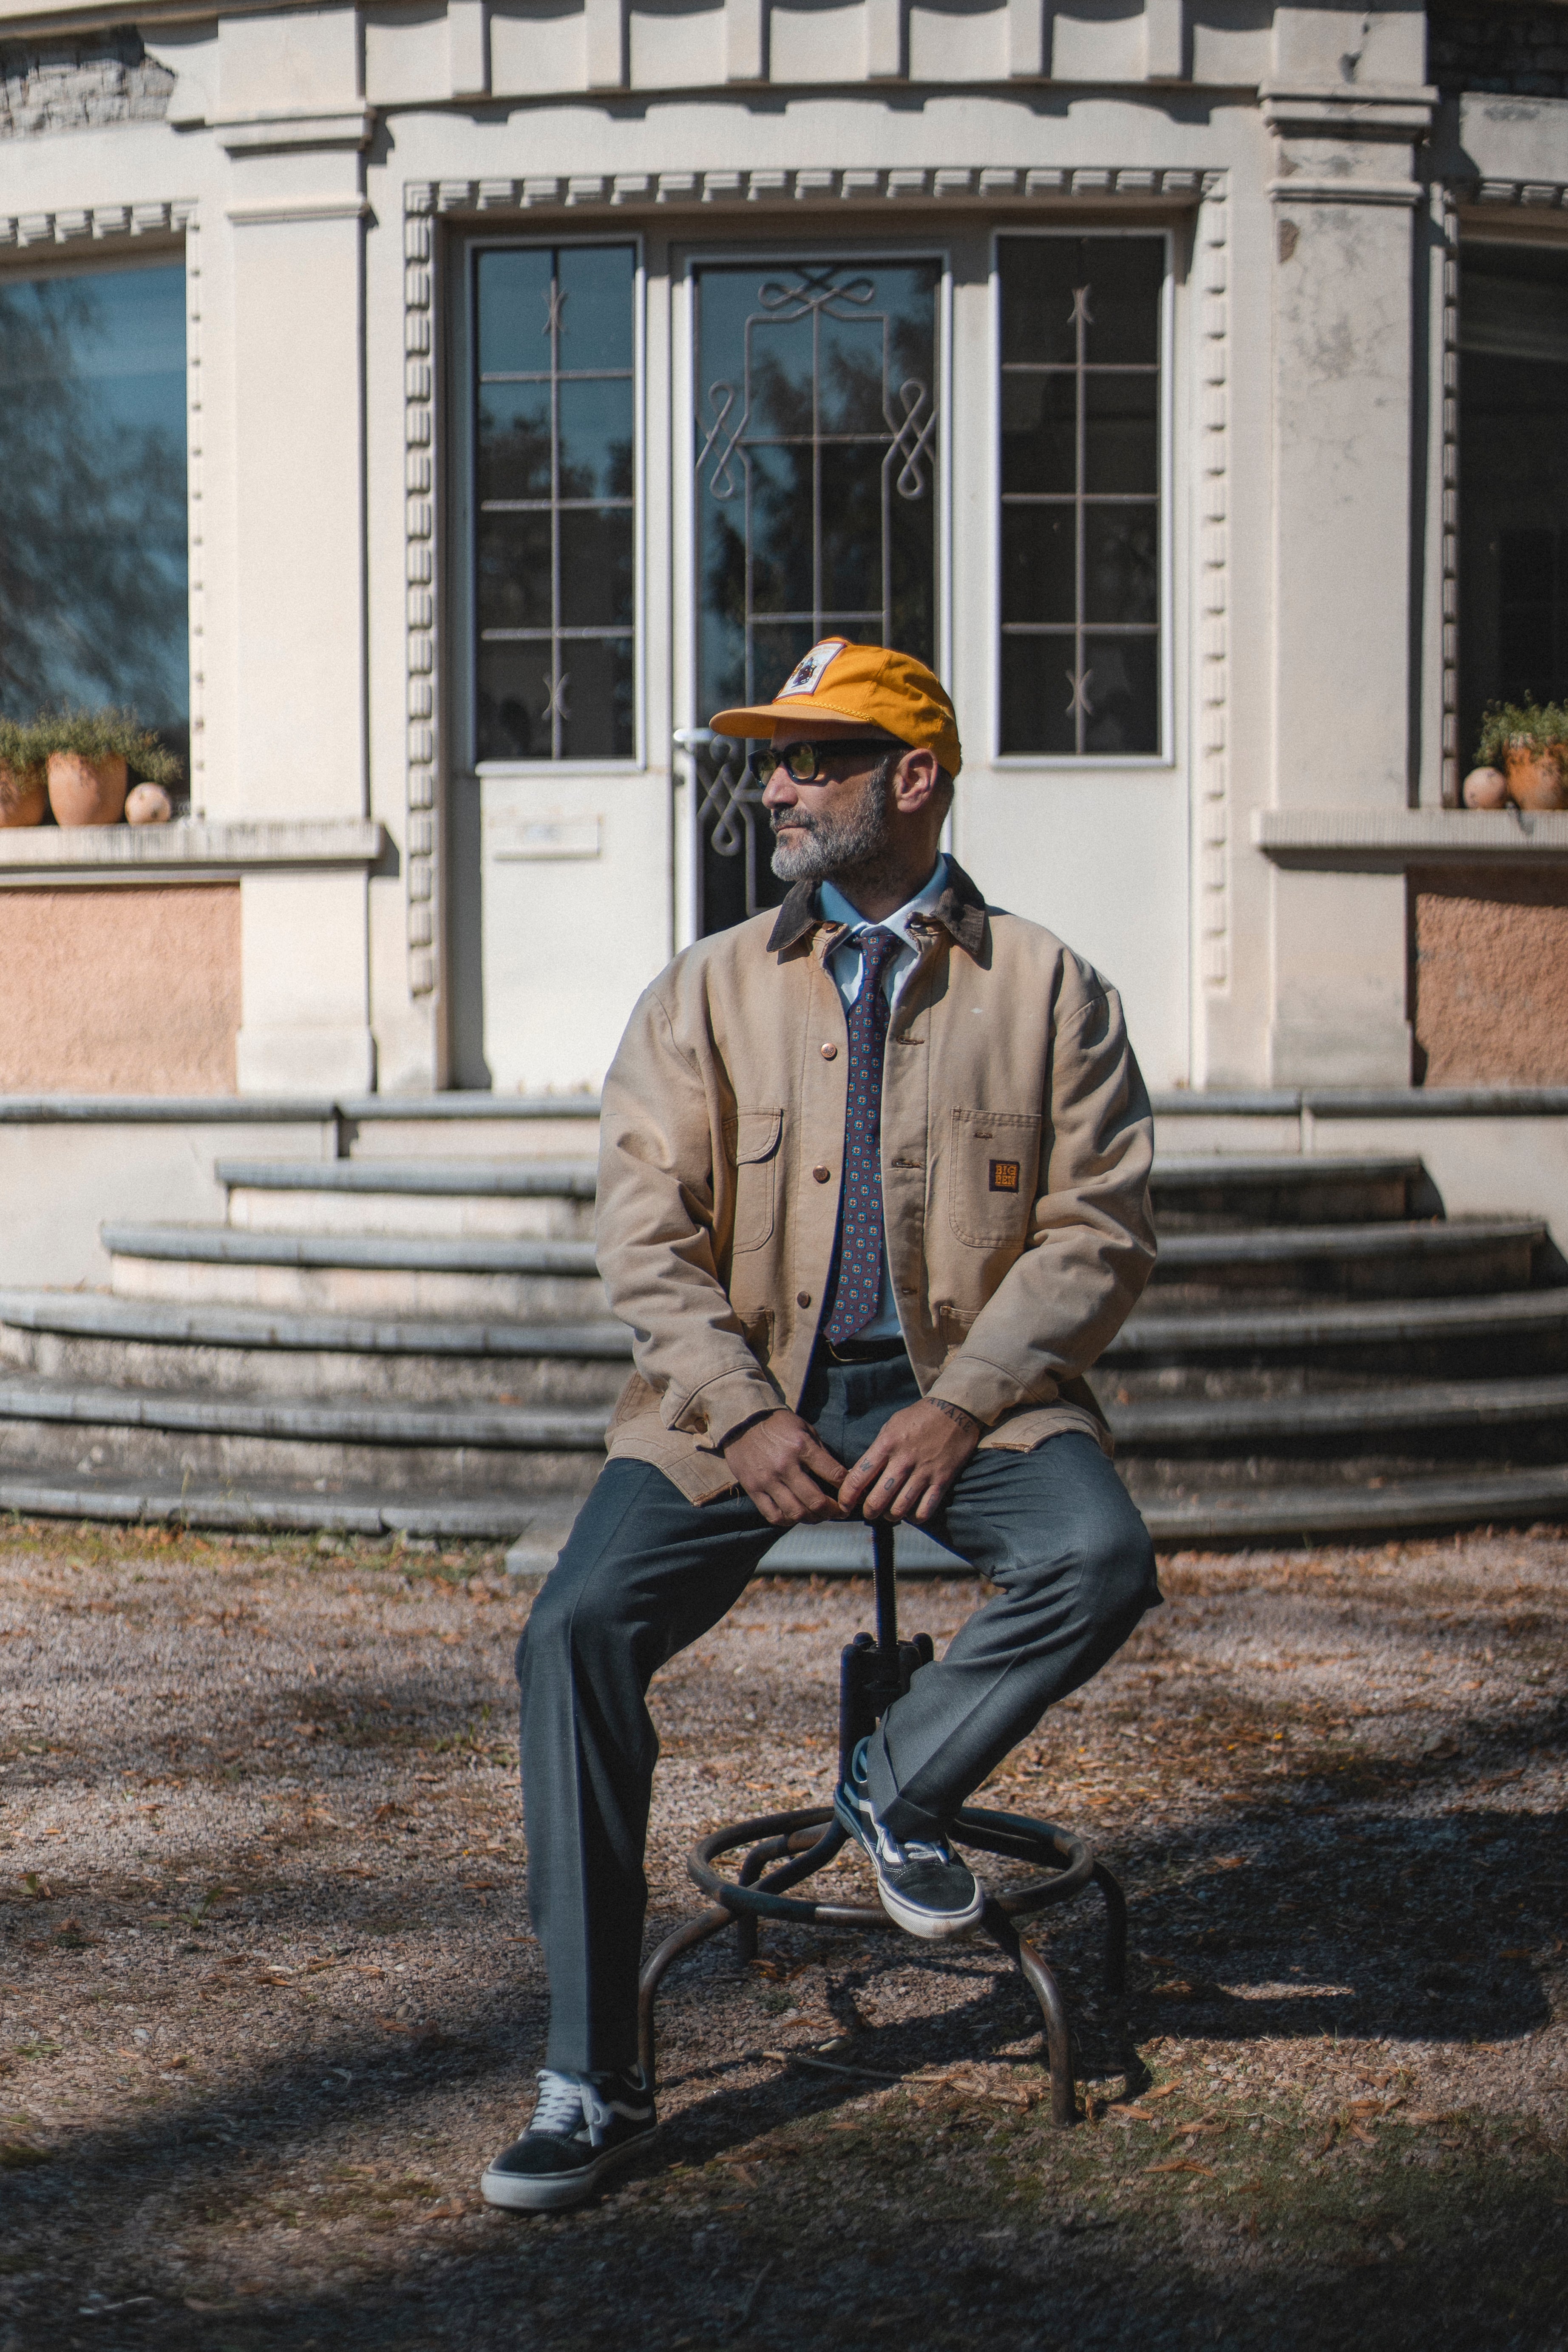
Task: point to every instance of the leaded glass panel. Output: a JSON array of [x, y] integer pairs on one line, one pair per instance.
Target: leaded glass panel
[[817, 508], [554, 587], [1080, 522]]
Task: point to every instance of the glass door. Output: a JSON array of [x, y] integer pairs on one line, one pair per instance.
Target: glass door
[[817, 414]]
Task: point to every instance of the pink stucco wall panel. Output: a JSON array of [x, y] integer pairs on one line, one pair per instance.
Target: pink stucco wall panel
[[129, 989], [1490, 977]]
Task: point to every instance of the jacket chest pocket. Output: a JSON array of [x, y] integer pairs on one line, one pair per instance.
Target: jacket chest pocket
[[994, 1158], [752, 1137]]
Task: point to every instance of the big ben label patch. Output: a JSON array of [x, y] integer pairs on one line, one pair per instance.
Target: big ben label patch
[[1004, 1175]]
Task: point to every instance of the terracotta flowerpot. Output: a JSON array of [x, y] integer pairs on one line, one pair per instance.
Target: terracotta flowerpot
[[148, 804], [1485, 788], [24, 794], [86, 791], [1537, 775]]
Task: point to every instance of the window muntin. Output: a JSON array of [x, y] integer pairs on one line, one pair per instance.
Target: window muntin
[[1513, 479], [93, 511], [816, 500], [554, 542], [1081, 553]]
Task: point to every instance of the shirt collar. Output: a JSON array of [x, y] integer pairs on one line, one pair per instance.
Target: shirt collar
[[960, 908], [834, 907]]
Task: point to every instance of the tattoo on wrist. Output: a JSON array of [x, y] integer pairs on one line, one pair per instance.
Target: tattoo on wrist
[[955, 1413]]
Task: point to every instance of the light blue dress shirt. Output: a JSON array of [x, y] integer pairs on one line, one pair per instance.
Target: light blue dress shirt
[[847, 965]]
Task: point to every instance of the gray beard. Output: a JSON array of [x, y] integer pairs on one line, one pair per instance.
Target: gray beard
[[825, 848]]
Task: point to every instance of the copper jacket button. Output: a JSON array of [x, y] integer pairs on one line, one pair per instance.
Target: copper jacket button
[[803, 1299], [831, 1052], [821, 1174]]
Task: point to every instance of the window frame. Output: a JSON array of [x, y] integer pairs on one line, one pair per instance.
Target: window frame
[[1089, 762], [463, 376], [158, 250]]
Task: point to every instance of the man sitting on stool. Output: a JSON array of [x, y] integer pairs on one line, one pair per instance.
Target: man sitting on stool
[[873, 1187]]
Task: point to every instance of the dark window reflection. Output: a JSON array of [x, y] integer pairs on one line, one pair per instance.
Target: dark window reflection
[[1513, 480], [1080, 549], [93, 564], [553, 585]]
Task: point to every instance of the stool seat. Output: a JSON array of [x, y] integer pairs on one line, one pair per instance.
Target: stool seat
[[787, 1848]]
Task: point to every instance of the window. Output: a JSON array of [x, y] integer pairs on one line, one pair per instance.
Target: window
[[93, 557], [554, 584], [1513, 479], [817, 506], [1080, 476]]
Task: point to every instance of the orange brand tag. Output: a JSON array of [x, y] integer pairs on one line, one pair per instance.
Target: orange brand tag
[[1004, 1175]]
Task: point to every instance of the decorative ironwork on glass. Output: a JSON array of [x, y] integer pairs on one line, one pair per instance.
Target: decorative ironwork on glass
[[815, 451], [554, 500], [1080, 494]]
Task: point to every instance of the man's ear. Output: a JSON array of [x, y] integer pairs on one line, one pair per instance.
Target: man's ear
[[915, 782]]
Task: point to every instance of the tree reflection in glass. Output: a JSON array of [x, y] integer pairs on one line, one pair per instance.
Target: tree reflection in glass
[[93, 561]]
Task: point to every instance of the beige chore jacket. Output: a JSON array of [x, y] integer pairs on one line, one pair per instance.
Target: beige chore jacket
[[1016, 1144]]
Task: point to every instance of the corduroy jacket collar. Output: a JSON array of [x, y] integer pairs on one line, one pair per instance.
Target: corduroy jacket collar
[[960, 909]]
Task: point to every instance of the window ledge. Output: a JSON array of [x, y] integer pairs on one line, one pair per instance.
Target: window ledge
[[193, 845], [1350, 840]]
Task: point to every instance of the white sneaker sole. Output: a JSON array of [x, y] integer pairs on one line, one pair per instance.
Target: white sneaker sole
[[552, 2192], [932, 1927]]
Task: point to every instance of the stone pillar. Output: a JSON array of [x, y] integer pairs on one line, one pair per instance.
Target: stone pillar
[[292, 119], [1343, 194]]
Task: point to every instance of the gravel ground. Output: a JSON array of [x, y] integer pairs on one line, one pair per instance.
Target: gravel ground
[[269, 1999]]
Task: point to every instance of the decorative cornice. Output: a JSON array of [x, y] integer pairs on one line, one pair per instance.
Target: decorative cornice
[[1533, 195], [98, 221], [941, 184]]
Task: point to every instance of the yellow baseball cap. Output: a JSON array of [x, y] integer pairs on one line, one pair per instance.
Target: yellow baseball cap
[[871, 686]]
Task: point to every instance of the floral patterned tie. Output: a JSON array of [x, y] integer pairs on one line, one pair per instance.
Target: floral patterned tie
[[858, 1287]]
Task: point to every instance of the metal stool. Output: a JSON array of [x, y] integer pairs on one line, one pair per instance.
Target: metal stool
[[873, 1672]]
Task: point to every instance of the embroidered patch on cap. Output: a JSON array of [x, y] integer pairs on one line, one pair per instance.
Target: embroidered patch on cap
[[1004, 1175], [806, 675]]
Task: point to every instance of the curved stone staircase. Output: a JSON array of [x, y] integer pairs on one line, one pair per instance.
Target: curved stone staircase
[[422, 1343]]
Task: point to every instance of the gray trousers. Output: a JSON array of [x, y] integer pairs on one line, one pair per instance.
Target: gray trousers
[[645, 1573]]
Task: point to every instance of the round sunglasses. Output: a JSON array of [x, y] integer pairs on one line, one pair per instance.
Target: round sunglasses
[[802, 763]]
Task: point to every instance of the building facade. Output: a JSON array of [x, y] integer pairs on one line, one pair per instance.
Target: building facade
[[430, 414]]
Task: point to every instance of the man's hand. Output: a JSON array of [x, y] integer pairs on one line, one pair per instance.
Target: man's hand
[[911, 1463], [790, 1477]]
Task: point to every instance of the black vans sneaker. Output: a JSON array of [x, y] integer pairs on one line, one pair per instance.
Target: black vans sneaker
[[921, 1882], [582, 2126]]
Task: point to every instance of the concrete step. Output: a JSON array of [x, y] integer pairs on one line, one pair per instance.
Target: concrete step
[[1241, 1349], [1425, 1429], [1208, 1191], [46, 1425], [1407, 1258], [545, 1200], [468, 1126], [1250, 1516], [538, 1522], [384, 1274], [95, 1338]]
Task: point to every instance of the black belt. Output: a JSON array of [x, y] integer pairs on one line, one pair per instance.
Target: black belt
[[863, 1352]]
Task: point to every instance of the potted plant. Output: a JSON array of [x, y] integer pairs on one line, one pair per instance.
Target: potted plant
[[1529, 741], [91, 755], [24, 791]]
